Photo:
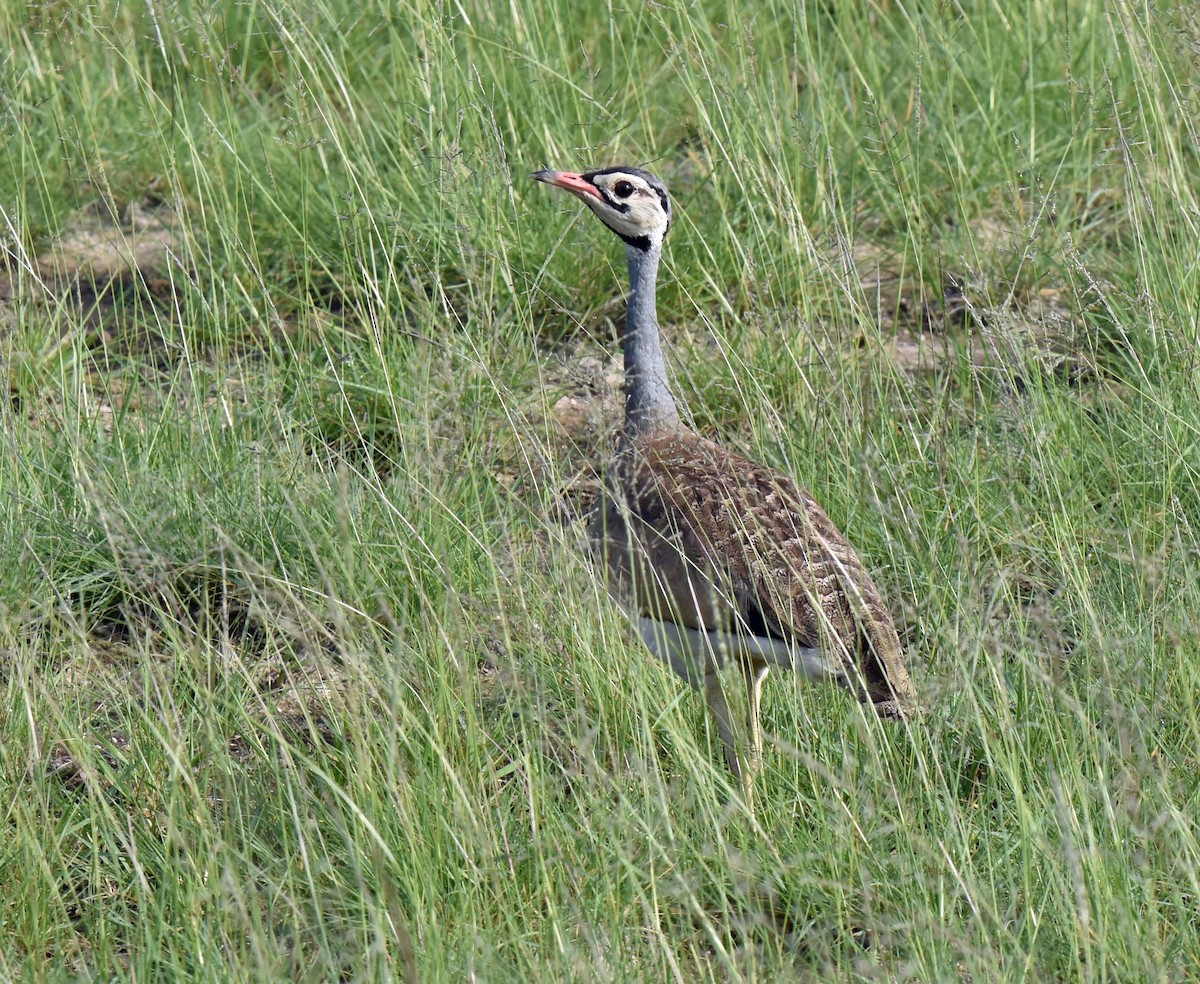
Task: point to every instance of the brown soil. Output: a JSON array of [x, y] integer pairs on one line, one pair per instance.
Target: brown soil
[[112, 276]]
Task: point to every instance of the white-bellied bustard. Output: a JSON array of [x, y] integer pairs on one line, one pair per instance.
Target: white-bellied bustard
[[716, 557]]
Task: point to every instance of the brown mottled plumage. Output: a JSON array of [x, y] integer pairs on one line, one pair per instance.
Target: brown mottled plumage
[[717, 557], [708, 539]]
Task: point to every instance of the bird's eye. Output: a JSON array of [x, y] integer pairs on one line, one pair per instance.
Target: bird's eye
[[622, 189]]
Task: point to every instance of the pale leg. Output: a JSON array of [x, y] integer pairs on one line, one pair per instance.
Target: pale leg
[[715, 697], [755, 677]]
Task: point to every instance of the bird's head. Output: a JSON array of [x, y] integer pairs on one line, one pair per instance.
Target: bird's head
[[633, 203]]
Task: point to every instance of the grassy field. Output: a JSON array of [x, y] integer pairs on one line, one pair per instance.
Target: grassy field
[[302, 676]]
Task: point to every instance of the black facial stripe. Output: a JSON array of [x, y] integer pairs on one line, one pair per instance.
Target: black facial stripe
[[616, 206], [637, 242]]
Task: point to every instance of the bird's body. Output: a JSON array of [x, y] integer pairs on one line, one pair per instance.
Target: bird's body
[[716, 558]]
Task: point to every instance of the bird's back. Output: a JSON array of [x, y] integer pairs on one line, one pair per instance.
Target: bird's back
[[705, 538]]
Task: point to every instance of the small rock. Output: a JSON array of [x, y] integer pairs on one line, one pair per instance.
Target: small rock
[[576, 414]]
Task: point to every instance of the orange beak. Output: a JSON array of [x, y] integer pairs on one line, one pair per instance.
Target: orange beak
[[577, 184]]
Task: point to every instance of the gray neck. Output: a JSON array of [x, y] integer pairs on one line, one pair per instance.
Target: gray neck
[[648, 401]]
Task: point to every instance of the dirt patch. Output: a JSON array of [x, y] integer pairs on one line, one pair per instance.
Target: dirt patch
[[981, 317], [883, 280], [875, 276], [299, 696], [593, 399], [112, 276], [127, 630], [98, 246], [1042, 325]]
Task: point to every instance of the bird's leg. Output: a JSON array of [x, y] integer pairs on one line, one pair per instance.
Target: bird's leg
[[756, 674], [714, 695]]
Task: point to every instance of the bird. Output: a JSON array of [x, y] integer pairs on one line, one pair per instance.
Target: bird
[[716, 558]]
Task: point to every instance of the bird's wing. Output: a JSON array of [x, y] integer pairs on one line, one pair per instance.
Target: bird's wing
[[789, 571]]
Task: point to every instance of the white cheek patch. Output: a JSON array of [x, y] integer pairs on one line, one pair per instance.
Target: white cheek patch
[[617, 221], [642, 218], [628, 224]]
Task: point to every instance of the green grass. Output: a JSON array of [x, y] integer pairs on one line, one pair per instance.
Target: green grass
[[299, 679]]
